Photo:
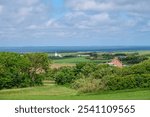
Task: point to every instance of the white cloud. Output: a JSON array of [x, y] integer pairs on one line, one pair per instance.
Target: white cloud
[[26, 2], [43, 26], [102, 17], [50, 22], [72, 15], [24, 12], [83, 20], [92, 5], [108, 14], [110, 5]]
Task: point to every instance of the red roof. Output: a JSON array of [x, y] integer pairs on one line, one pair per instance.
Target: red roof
[[116, 62]]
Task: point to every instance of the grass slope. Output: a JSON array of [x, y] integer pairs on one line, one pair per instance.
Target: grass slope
[[55, 92]]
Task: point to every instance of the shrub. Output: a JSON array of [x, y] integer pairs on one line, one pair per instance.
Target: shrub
[[87, 85], [104, 70], [85, 69], [143, 80], [127, 82], [64, 75], [50, 74]]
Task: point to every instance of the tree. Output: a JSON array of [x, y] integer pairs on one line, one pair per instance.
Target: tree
[[22, 70], [65, 75], [39, 64], [14, 69]]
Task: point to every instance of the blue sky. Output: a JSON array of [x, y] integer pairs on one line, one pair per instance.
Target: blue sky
[[74, 22]]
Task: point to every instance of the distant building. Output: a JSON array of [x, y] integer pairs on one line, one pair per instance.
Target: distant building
[[57, 55], [116, 62]]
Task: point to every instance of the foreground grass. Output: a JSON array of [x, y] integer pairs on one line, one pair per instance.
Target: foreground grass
[[54, 92]]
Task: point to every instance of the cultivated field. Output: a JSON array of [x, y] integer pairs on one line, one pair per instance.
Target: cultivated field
[[78, 60]]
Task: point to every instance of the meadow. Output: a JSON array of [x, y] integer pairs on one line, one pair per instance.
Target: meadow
[[75, 60], [55, 92]]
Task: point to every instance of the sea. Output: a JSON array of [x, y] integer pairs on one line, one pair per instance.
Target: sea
[[51, 49]]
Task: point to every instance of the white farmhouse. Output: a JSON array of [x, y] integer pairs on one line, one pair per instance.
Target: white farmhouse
[[57, 55]]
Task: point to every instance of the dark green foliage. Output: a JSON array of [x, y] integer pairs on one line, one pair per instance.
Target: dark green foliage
[[119, 83], [108, 56], [112, 78], [103, 70], [14, 68], [143, 81], [127, 82], [64, 75], [134, 59], [50, 74], [94, 55], [85, 68], [18, 70]]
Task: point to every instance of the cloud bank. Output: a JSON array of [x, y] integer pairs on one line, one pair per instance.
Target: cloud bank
[[68, 22]]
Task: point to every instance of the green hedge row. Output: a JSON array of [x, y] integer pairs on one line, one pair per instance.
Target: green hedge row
[[127, 82]]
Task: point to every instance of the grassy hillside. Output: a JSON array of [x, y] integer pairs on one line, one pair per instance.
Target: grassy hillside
[[55, 92]]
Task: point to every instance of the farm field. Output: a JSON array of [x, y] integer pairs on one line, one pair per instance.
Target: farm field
[[55, 92], [58, 65], [77, 60], [73, 61]]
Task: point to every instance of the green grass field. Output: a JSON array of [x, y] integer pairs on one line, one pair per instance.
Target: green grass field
[[77, 60], [55, 92]]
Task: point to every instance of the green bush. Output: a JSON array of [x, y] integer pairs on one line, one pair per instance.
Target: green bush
[[64, 75], [103, 70], [127, 82], [143, 80], [50, 74], [88, 85]]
